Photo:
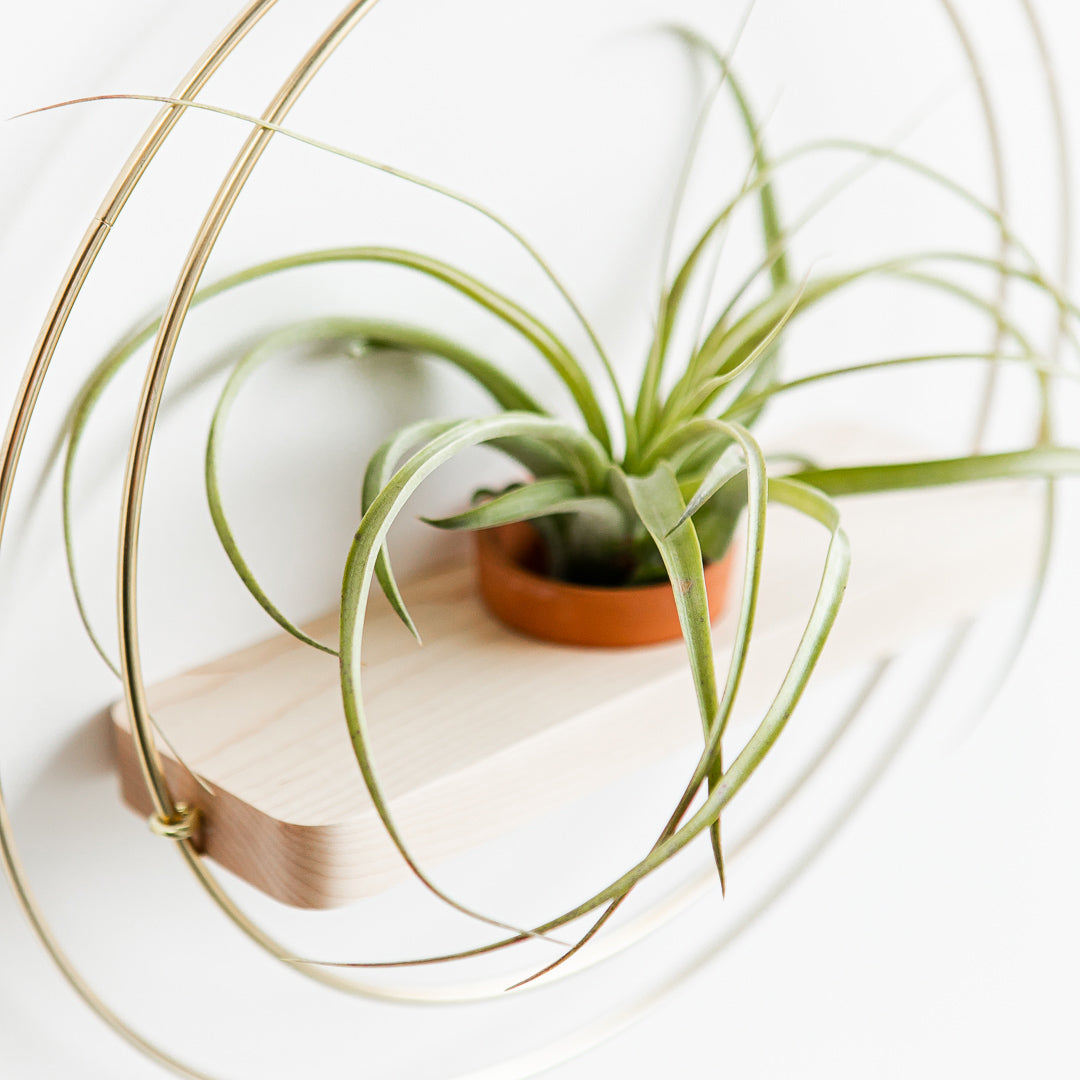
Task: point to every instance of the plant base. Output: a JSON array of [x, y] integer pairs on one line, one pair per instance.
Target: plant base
[[525, 600]]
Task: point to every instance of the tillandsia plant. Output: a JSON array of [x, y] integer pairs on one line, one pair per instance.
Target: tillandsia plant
[[656, 491]]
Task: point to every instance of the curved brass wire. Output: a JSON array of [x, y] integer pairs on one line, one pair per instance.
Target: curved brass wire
[[135, 479], [23, 410], [172, 820], [135, 482], [15, 438], [92, 241], [153, 389], [997, 167], [154, 386]]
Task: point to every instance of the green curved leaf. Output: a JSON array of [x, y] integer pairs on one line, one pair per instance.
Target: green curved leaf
[[507, 392], [381, 466], [737, 364], [870, 151], [757, 492], [1036, 462], [757, 495], [683, 446], [534, 455], [359, 573], [89, 394], [730, 463], [812, 503], [659, 505], [68, 443], [373, 334], [85, 402], [865, 150], [823, 614], [269, 347], [582, 533], [757, 323], [826, 605], [590, 410], [542, 460], [751, 404], [772, 230], [536, 333], [520, 503]]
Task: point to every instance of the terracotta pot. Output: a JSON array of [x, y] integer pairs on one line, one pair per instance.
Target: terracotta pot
[[578, 614]]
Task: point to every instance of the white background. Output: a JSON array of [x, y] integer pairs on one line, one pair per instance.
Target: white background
[[935, 936]]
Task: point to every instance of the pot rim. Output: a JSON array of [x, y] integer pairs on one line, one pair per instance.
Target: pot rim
[[574, 614]]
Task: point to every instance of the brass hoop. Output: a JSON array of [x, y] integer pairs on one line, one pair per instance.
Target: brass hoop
[[173, 820]]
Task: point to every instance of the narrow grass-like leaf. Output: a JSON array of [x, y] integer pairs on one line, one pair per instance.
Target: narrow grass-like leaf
[[72, 433], [650, 381], [757, 496], [269, 347], [536, 333], [866, 150], [580, 533], [87, 400], [543, 459], [375, 334], [727, 464], [503, 389], [683, 446], [554, 495], [812, 503], [518, 503], [776, 238], [590, 409], [659, 505], [736, 366], [380, 468], [755, 325], [1036, 462], [501, 386], [359, 573], [809, 502], [1033, 277], [1045, 435], [735, 444], [752, 404], [771, 228], [906, 268], [826, 606], [756, 499], [68, 444], [372, 334]]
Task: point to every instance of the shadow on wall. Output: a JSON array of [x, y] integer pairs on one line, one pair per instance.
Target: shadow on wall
[[82, 847]]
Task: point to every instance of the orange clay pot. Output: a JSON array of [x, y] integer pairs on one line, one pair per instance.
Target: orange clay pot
[[578, 614]]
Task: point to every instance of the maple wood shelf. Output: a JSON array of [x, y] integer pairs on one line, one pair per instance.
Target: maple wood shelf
[[480, 730]]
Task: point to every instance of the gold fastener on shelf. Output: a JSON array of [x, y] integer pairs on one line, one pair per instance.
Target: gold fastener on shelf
[[180, 827]]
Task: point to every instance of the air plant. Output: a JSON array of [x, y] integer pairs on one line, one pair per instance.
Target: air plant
[[653, 492]]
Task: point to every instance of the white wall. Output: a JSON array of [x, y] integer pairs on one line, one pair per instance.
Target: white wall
[[937, 934]]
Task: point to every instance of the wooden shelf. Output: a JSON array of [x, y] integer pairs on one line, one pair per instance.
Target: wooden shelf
[[481, 730]]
